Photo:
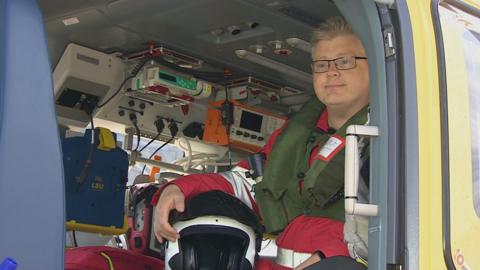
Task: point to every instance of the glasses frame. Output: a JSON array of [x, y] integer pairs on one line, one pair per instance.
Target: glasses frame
[[336, 65]]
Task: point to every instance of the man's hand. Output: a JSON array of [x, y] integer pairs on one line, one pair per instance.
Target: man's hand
[[171, 198], [311, 260]]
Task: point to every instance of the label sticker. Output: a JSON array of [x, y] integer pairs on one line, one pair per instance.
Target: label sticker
[[334, 144]]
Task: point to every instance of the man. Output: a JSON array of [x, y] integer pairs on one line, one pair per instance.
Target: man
[[301, 194]]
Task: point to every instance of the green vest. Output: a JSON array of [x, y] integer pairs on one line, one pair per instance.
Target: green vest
[[278, 195]]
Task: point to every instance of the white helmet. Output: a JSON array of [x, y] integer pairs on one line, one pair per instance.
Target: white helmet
[[217, 231]]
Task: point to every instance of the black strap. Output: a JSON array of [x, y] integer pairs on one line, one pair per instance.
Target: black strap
[[337, 263]]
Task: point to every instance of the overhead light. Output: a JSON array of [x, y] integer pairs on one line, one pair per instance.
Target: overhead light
[[258, 48], [300, 44], [279, 48], [269, 63], [70, 21]]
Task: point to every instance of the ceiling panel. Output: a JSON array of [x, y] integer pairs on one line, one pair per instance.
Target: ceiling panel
[[201, 28]]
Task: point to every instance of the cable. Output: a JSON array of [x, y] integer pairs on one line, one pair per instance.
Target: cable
[[133, 74], [134, 120], [172, 126], [152, 140], [266, 245], [88, 160], [116, 91], [226, 112], [160, 126], [75, 243], [137, 130], [158, 149]]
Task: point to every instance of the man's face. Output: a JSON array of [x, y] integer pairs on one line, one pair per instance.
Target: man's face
[[342, 89]]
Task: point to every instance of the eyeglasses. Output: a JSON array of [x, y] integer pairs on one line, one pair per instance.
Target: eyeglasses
[[341, 63]]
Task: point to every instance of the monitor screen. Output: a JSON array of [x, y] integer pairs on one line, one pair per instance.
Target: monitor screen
[[167, 77], [251, 121]]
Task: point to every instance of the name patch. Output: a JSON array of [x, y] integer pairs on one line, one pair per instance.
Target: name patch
[[334, 145]]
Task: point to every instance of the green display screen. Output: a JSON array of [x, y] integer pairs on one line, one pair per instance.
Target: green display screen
[[178, 81]]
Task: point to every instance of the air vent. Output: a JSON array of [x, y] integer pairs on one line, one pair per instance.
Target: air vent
[[88, 59]]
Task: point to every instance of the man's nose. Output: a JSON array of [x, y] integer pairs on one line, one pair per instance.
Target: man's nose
[[332, 68]]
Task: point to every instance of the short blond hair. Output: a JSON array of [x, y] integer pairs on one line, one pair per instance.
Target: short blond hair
[[330, 28]]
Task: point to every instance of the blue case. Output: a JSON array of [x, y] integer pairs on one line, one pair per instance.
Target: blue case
[[94, 202]]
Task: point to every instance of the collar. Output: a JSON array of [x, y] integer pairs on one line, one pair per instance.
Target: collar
[[322, 122]]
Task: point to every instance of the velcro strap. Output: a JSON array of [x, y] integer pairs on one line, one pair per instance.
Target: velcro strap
[[289, 258], [106, 140]]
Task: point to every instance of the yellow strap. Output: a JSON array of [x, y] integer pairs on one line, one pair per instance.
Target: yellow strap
[[267, 236], [362, 261], [110, 264], [107, 141]]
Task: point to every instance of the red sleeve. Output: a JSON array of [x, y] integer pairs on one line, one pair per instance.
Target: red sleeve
[[194, 184], [311, 234]]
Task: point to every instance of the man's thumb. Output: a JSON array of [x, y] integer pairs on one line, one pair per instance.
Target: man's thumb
[[180, 205]]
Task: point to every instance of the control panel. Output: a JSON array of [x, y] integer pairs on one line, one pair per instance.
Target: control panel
[[176, 84], [249, 131]]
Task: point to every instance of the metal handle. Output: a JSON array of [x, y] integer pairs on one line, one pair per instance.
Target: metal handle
[[352, 171]]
